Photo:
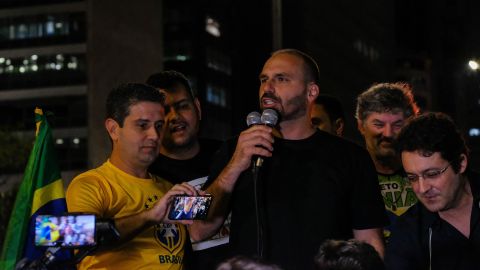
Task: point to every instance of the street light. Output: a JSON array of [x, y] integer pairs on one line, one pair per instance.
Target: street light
[[473, 64]]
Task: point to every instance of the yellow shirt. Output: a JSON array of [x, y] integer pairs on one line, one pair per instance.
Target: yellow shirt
[[109, 192]]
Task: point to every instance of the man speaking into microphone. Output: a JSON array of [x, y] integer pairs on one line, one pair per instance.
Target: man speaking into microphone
[[312, 186]]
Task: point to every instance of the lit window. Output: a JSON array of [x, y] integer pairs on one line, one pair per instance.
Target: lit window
[[76, 140], [59, 141]]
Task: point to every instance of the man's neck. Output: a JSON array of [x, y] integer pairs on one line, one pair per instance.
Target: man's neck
[[386, 166], [296, 129], [386, 169], [128, 167], [181, 153], [460, 213]]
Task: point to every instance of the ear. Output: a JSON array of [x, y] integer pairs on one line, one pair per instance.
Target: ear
[[360, 126], [313, 90], [339, 126], [463, 163], [199, 108], [112, 128]]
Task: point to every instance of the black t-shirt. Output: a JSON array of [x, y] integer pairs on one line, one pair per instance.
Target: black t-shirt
[[178, 171], [310, 190]]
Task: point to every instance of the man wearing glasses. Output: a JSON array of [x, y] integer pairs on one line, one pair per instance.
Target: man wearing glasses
[[443, 231]]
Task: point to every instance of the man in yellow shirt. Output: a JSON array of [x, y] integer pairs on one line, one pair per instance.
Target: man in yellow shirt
[[123, 190]]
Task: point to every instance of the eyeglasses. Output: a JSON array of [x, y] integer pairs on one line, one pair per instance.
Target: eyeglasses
[[427, 175]]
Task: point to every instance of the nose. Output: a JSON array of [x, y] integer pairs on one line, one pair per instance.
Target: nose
[[387, 131], [172, 114], [422, 185], [153, 133], [267, 86]]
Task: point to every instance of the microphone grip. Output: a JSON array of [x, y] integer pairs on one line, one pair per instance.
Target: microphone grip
[[258, 162]]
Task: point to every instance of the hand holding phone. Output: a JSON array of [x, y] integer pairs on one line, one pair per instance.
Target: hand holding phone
[[190, 207]]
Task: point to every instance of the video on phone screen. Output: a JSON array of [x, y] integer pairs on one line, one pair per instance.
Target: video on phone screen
[[65, 231], [185, 207]]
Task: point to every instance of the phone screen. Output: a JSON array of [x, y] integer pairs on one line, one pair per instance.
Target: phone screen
[[76, 230], [190, 207]]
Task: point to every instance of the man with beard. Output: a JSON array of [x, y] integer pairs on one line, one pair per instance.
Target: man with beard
[[121, 189], [184, 157], [312, 185], [327, 114], [443, 231], [381, 112]]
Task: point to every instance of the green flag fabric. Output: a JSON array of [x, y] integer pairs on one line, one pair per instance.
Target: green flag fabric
[[41, 192]]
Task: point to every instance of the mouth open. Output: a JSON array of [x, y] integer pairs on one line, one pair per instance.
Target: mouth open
[[178, 127], [268, 102]]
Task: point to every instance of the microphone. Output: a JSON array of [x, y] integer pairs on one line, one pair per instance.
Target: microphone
[[254, 118], [268, 117]]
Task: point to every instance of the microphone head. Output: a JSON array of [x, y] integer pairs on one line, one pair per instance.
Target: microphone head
[[254, 118], [269, 117]]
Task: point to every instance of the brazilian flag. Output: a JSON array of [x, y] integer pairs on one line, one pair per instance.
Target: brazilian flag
[[41, 193]]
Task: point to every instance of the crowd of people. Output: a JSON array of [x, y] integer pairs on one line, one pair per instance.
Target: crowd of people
[[407, 200]]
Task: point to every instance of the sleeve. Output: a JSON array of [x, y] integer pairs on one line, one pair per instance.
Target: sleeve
[[86, 194], [368, 209], [403, 251]]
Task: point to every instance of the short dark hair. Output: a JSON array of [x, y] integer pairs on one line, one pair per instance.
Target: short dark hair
[[310, 68], [386, 97], [433, 132], [332, 106], [121, 98], [170, 81], [245, 263], [347, 255]]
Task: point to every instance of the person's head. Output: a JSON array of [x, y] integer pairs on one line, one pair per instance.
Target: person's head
[[434, 157], [182, 108], [244, 263], [381, 112], [289, 83], [347, 255], [134, 121], [327, 114]]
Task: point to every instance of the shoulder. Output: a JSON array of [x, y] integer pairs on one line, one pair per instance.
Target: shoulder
[[98, 178], [340, 150], [207, 143], [339, 143], [415, 221], [89, 177], [163, 184]]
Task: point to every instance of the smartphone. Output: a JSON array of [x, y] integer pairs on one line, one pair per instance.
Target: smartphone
[[190, 207], [70, 230]]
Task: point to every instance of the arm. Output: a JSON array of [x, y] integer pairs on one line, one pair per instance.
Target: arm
[[130, 226], [373, 237], [257, 140], [87, 194]]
